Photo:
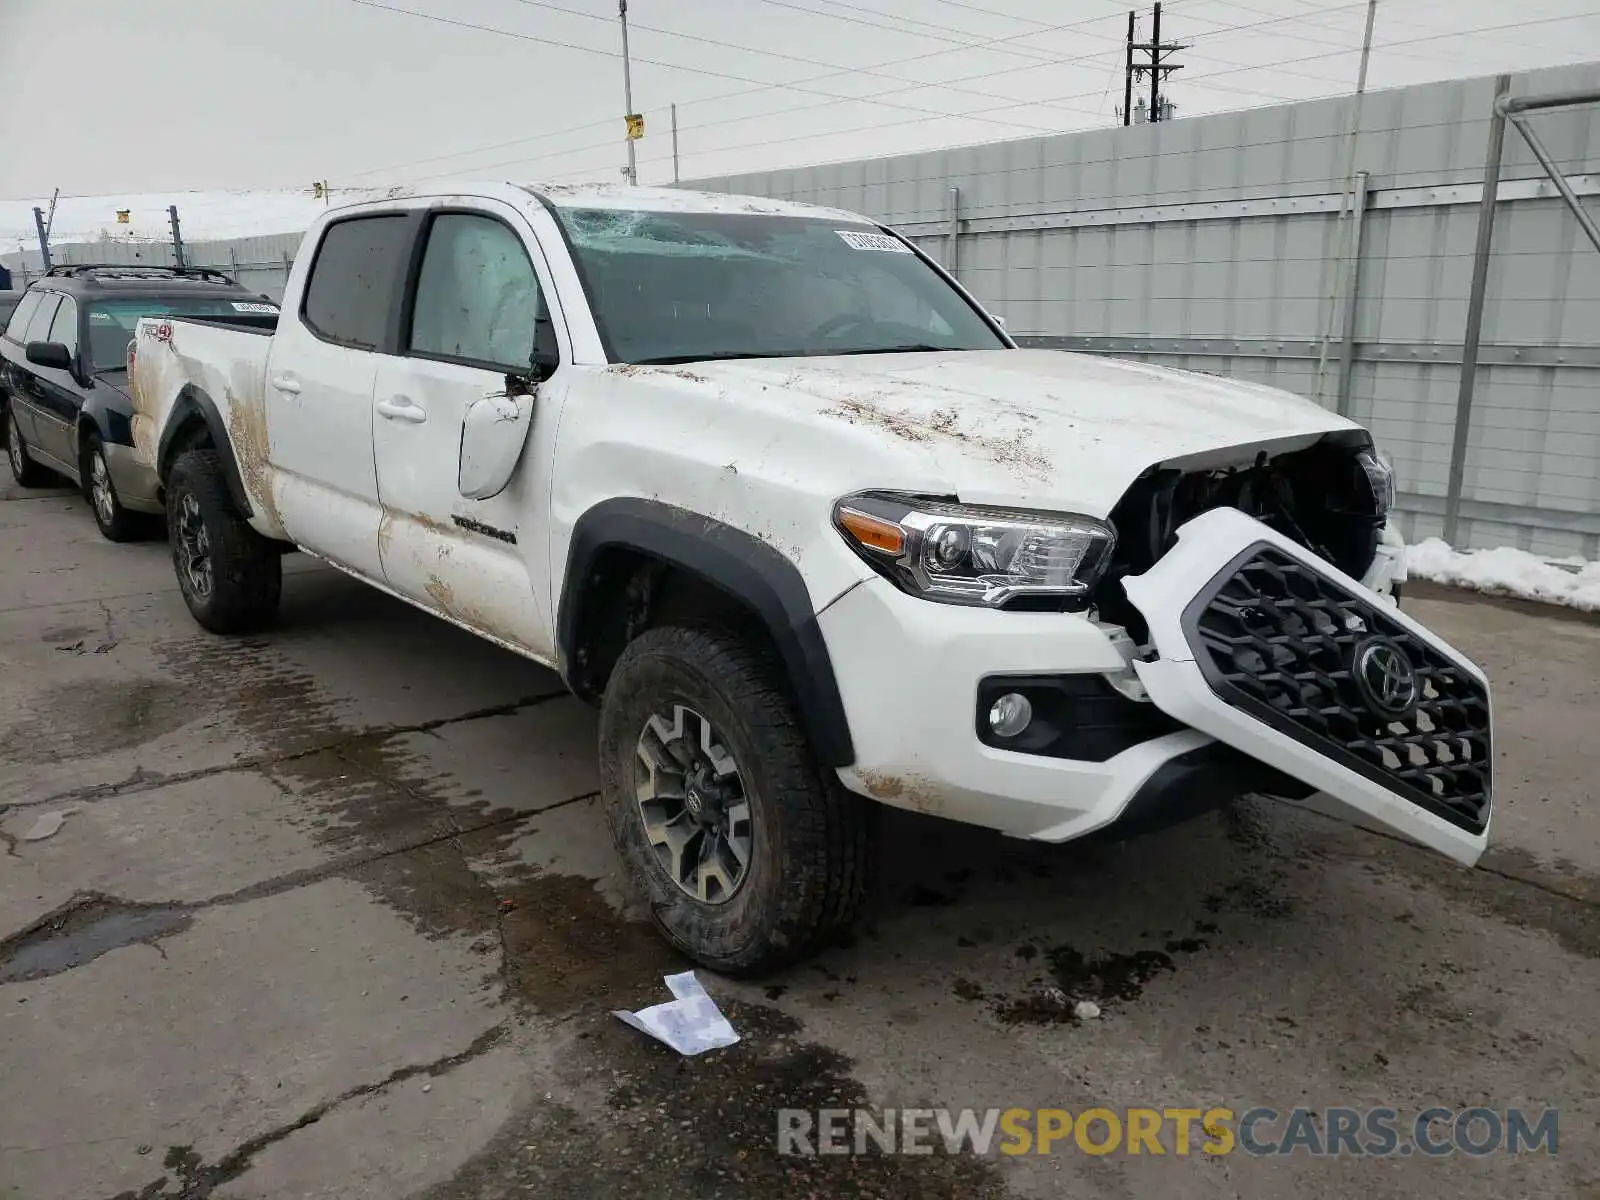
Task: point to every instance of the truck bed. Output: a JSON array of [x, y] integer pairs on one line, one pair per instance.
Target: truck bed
[[262, 324]]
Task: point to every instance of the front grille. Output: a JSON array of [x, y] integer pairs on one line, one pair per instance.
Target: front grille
[[1277, 639]]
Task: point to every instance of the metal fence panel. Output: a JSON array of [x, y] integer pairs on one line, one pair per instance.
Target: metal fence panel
[[1205, 243]]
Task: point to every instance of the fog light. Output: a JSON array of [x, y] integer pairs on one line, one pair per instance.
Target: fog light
[[1010, 715]]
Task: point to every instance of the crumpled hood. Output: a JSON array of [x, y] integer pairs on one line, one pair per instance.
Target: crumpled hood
[[1030, 428]]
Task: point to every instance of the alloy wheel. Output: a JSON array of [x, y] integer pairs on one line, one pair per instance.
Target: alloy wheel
[[692, 801], [19, 461], [105, 500], [194, 546]]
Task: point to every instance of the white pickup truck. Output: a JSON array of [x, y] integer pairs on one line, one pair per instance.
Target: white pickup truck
[[769, 486]]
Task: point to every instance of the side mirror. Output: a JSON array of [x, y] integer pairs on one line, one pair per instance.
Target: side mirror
[[50, 354], [492, 435]]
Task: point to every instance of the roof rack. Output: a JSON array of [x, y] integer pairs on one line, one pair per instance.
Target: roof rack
[[137, 271]]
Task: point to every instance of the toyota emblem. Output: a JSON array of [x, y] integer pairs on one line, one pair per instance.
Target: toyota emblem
[[1386, 676]]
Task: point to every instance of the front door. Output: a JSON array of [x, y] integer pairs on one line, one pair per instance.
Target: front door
[[59, 397], [478, 300], [318, 391]]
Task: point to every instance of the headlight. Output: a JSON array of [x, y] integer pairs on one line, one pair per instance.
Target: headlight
[[1379, 469], [961, 554]]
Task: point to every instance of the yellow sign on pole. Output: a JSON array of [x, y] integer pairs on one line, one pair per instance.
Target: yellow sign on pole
[[123, 215], [635, 126]]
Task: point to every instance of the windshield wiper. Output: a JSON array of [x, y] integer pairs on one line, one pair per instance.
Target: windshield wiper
[[916, 348], [672, 360]]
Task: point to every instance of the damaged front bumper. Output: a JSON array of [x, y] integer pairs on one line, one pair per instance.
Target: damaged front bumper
[[1278, 654]]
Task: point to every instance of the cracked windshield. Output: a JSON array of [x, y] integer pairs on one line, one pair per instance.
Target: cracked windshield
[[684, 287]]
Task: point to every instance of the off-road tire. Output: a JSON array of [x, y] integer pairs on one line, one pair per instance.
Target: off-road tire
[[123, 525], [246, 569], [24, 470], [811, 838]]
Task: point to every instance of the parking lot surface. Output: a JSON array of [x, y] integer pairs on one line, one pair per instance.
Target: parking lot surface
[[330, 912]]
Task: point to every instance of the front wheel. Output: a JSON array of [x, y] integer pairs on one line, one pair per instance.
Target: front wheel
[[230, 576], [750, 854], [24, 470]]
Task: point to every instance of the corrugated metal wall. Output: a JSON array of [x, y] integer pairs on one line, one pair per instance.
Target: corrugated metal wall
[[1205, 243]]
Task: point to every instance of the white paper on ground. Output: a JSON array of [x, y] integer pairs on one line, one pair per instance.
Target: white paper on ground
[[691, 1024]]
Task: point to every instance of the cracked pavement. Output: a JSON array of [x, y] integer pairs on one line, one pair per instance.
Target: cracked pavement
[[330, 912]]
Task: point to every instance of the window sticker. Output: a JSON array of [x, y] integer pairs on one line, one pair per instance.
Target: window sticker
[[857, 240], [251, 306]]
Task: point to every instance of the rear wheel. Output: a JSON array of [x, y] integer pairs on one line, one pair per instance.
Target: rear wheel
[[230, 576], [116, 523], [751, 855], [24, 470]]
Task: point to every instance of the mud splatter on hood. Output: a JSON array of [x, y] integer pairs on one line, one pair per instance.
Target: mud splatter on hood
[[1032, 427]]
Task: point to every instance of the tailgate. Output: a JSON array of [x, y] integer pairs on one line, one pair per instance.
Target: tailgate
[[1271, 649]]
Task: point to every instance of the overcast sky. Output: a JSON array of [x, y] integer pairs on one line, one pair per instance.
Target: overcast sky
[[109, 96]]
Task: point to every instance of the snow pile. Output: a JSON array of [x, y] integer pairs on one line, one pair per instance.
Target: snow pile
[[1508, 572]]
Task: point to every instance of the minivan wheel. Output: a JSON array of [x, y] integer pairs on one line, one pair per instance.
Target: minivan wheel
[[750, 855], [230, 576], [24, 470]]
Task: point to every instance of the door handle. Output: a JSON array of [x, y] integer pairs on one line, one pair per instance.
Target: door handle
[[287, 384], [402, 408]]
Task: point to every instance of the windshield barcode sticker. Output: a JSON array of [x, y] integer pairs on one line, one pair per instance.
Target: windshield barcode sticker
[[858, 240], [249, 306]]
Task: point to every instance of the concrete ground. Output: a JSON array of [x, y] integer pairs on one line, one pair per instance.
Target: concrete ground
[[330, 912]]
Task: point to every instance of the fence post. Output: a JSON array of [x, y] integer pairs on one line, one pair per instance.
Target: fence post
[[177, 236], [1480, 284], [952, 257], [1347, 357]]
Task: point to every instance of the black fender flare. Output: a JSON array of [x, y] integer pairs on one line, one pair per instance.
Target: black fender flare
[[745, 567], [111, 420], [193, 404]]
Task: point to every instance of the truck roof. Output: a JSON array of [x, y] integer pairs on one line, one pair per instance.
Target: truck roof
[[621, 196]]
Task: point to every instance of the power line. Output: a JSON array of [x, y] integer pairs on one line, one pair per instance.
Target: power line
[[831, 68], [909, 86], [545, 41], [740, 93], [1004, 107]]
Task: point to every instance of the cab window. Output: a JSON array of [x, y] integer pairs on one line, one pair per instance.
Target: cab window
[[478, 299]]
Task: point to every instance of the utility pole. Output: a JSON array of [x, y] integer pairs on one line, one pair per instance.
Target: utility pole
[[674, 143], [1127, 79], [1158, 68], [632, 169], [177, 235], [44, 237]]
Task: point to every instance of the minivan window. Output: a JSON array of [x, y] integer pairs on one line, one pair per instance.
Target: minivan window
[[353, 279], [64, 328], [18, 325], [39, 327]]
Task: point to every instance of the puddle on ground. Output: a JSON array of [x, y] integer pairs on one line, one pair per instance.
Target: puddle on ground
[[83, 933]]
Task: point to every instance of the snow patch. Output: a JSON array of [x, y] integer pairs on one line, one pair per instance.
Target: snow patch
[[1507, 572]]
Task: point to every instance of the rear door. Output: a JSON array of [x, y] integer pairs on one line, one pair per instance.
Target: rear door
[[60, 393], [14, 368], [481, 286], [318, 390]]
